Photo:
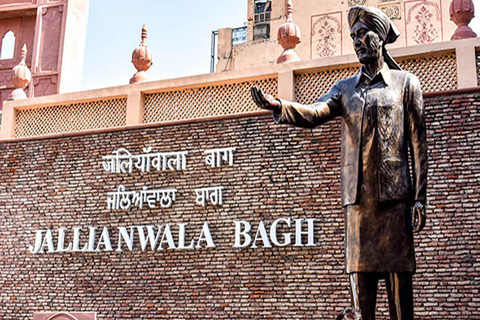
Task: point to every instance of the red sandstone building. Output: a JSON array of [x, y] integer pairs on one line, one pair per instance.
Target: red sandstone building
[[54, 35], [149, 209]]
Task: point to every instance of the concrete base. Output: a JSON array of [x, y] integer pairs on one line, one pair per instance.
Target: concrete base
[[140, 76], [464, 32], [17, 94], [288, 55]]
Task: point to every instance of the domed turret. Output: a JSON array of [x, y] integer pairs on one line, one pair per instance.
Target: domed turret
[[21, 77], [462, 12], [288, 36]]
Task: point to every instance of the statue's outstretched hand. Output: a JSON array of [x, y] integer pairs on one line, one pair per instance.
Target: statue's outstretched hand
[[419, 216], [265, 101]]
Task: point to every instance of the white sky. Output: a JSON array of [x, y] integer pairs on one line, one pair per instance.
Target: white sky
[[179, 34]]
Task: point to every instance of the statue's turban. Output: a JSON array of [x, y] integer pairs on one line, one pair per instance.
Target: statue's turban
[[377, 21]]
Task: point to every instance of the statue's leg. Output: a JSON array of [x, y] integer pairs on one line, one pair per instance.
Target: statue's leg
[[363, 287], [400, 295]]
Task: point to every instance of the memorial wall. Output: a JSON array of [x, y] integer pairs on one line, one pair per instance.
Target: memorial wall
[[231, 218]]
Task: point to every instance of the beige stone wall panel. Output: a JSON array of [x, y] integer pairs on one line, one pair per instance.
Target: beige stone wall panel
[[423, 22], [256, 53], [304, 15], [44, 85], [5, 78], [51, 25], [27, 36], [224, 51], [326, 37]]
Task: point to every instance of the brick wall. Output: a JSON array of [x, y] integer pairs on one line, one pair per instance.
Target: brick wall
[[278, 172]]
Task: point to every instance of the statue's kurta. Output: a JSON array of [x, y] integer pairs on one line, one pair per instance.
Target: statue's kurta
[[381, 119]]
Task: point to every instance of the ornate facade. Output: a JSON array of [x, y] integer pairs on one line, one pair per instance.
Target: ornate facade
[[325, 30], [54, 34]]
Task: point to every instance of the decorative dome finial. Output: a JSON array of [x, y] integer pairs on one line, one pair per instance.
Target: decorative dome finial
[[23, 53], [21, 77], [142, 58], [144, 34], [462, 12], [288, 37], [289, 10]]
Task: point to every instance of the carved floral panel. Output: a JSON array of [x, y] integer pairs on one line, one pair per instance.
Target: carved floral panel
[[352, 3], [392, 11], [423, 21], [326, 35]]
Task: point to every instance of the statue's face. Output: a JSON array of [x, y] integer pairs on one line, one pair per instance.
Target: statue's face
[[367, 43]]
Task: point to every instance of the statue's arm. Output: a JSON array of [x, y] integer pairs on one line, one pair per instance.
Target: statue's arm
[[418, 150], [307, 116]]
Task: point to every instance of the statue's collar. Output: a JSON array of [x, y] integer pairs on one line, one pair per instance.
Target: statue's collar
[[383, 74]]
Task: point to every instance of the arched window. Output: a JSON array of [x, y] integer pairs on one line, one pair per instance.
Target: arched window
[[8, 46]]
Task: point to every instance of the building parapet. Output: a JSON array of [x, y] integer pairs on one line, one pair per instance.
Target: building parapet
[[439, 66]]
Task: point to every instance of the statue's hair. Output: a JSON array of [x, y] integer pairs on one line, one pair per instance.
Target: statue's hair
[[350, 314]]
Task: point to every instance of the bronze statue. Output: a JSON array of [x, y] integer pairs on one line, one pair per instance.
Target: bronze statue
[[382, 119]]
